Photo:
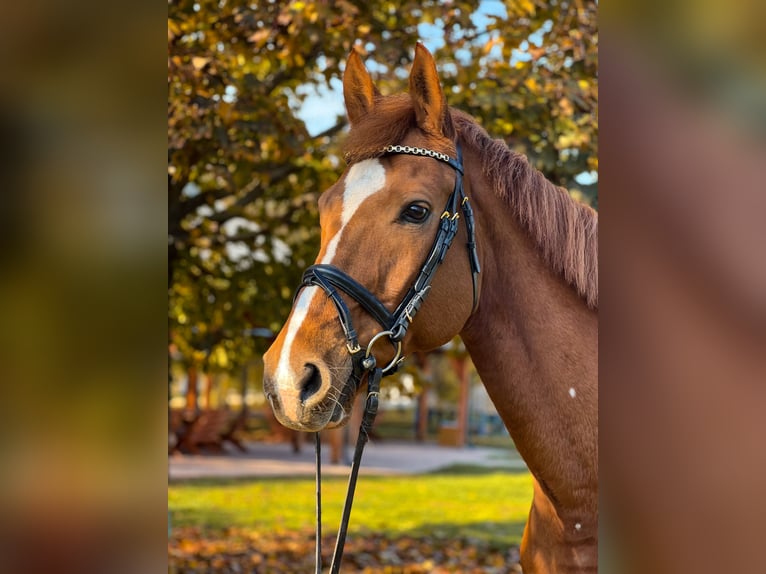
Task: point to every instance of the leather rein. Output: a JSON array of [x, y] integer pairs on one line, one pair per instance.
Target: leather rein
[[395, 325]]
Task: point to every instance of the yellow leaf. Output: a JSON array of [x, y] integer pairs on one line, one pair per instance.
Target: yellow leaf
[[260, 36], [566, 107], [199, 62], [526, 7], [504, 126], [532, 84], [583, 84], [173, 29], [220, 357], [565, 141]]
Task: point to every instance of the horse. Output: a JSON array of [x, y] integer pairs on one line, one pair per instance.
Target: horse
[[524, 299]]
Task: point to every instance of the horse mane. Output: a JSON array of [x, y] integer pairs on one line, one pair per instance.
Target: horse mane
[[564, 230]]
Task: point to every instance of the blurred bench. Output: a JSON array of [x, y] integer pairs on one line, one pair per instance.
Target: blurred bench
[[207, 429]]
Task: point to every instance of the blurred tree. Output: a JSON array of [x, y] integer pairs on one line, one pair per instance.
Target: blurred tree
[[530, 77], [244, 173]]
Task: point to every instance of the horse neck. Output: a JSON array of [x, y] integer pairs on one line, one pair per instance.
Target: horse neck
[[534, 343]]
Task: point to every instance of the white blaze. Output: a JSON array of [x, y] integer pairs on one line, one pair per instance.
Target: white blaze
[[363, 180]]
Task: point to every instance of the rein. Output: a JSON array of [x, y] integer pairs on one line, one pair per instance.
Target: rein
[[395, 325], [370, 410]]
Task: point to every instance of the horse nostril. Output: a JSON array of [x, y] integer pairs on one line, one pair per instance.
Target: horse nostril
[[311, 382]]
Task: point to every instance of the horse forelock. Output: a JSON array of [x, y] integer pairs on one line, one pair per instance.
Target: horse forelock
[[391, 121]]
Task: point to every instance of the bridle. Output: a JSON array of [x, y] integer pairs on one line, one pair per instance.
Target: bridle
[[395, 325]]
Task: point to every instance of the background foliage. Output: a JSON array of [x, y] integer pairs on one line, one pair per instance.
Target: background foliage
[[245, 171]]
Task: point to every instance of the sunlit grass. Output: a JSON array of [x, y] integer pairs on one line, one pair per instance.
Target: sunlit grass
[[491, 505]]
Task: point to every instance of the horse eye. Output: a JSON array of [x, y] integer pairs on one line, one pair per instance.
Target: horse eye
[[414, 213]]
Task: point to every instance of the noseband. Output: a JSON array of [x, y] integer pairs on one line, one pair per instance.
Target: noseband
[[395, 325]]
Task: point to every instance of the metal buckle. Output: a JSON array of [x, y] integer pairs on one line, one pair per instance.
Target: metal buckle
[[354, 349]]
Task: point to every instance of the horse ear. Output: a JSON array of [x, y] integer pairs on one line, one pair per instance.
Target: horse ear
[[358, 90], [426, 93]]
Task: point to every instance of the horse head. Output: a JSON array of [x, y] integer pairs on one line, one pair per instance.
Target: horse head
[[378, 223]]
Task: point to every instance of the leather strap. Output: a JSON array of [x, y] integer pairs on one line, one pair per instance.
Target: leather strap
[[328, 276], [370, 410]]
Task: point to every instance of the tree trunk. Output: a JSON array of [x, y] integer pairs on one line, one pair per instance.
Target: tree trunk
[[244, 389], [461, 368], [208, 390], [191, 389], [421, 424], [421, 430]]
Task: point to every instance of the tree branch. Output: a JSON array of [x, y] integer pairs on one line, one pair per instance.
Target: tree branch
[[222, 238], [331, 131]]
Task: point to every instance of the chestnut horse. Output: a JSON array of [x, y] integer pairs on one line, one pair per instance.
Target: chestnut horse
[[530, 322]]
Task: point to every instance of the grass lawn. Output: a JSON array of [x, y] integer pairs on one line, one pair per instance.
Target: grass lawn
[[484, 504]]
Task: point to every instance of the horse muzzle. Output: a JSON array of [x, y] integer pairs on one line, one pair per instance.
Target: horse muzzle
[[312, 401]]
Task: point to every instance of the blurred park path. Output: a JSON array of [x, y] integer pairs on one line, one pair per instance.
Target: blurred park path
[[380, 458]]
